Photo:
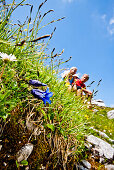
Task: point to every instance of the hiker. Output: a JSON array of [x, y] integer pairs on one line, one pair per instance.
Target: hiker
[[69, 77], [81, 87]]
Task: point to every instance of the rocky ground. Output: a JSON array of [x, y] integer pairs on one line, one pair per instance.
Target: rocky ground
[[18, 153]]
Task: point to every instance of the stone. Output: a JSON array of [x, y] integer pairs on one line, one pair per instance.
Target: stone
[[0, 147], [24, 152], [97, 151], [110, 114], [88, 146], [93, 140], [42, 167], [98, 102], [109, 167], [102, 134], [27, 168], [86, 164], [95, 110], [101, 146], [4, 163], [80, 167], [101, 160]]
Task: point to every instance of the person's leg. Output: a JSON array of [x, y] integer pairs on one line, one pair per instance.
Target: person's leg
[[69, 88], [74, 88], [79, 92]]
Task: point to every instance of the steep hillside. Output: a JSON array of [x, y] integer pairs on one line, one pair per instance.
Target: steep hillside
[[42, 126]]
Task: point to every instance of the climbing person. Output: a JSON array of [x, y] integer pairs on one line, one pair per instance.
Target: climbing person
[[81, 87], [68, 76]]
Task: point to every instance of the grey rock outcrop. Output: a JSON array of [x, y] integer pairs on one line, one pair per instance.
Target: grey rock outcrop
[[110, 114], [102, 134], [80, 167], [86, 164], [102, 147], [98, 102], [0, 147], [109, 167], [88, 146], [24, 152]]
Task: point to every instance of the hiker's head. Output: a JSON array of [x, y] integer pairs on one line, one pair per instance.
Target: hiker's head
[[85, 78], [73, 70]]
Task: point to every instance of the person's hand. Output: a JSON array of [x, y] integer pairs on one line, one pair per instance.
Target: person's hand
[[89, 93]]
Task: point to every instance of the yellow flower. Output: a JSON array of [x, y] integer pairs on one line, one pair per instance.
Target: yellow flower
[[67, 84], [86, 116]]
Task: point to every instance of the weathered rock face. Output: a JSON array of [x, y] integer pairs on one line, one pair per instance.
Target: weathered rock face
[[110, 114], [24, 152], [86, 164], [0, 147], [102, 147], [80, 167], [109, 167], [98, 102], [103, 135]]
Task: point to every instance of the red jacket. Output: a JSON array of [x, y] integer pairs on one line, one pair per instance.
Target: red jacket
[[80, 83]]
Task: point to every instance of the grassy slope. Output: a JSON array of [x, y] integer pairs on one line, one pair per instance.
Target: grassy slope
[[63, 124]]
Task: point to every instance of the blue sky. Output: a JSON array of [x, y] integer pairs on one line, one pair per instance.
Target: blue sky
[[86, 34]]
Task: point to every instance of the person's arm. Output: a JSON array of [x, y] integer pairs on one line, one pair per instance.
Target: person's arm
[[67, 78], [87, 91]]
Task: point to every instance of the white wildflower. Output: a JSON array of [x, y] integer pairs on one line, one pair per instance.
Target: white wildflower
[[6, 57]]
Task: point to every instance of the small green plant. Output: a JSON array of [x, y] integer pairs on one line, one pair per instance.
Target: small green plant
[[17, 164], [24, 162]]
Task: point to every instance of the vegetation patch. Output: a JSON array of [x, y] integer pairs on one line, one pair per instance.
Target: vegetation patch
[[57, 130]]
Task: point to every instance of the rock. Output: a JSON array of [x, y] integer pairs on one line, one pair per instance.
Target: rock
[[109, 167], [24, 152], [95, 110], [110, 114], [27, 168], [42, 167], [102, 160], [86, 164], [102, 134], [0, 147], [107, 150], [97, 151], [93, 140], [101, 146], [4, 163], [80, 167], [88, 146], [98, 102]]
